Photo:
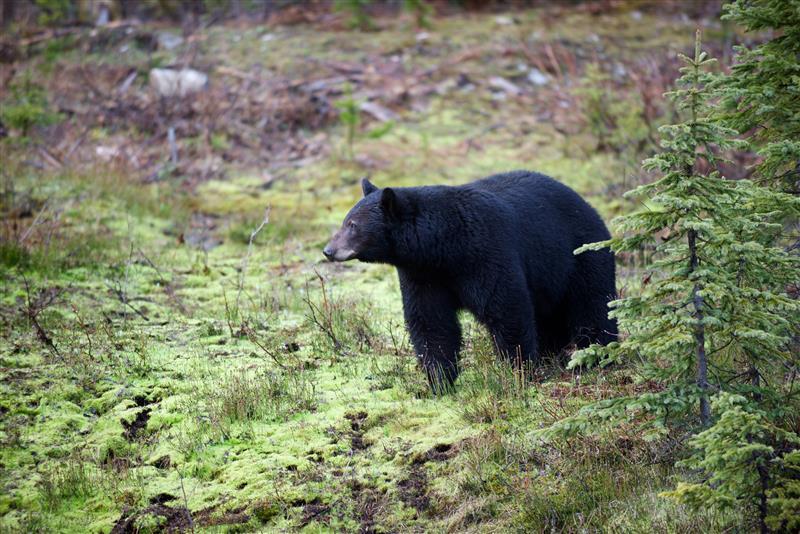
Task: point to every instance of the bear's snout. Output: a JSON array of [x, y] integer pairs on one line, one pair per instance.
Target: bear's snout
[[336, 252]]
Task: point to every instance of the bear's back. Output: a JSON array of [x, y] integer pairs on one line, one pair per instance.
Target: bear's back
[[526, 186], [542, 205]]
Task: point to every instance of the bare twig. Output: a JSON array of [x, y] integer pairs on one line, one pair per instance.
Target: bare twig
[[120, 294], [185, 500], [246, 259], [228, 314], [251, 335], [34, 308], [323, 317], [30, 228], [86, 331]]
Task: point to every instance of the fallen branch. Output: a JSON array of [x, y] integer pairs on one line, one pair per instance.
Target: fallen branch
[[32, 311], [120, 294]]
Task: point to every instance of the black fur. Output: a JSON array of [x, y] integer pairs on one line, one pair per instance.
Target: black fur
[[502, 248]]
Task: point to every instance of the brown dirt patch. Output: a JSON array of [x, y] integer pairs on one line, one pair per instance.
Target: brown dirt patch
[[357, 420], [162, 498], [164, 462], [235, 516], [315, 511], [175, 519], [414, 490], [438, 453], [133, 428], [369, 503]]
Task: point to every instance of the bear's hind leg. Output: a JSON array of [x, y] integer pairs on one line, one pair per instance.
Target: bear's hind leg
[[510, 318], [590, 324], [553, 334], [588, 307]]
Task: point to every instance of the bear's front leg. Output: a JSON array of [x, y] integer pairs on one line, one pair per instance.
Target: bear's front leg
[[430, 311]]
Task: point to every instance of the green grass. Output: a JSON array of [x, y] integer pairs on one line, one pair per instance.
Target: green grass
[[267, 390]]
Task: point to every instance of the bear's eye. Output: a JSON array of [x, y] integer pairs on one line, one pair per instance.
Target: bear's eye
[[351, 224]]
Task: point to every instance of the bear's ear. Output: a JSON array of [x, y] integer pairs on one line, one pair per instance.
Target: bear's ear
[[389, 202], [367, 187]]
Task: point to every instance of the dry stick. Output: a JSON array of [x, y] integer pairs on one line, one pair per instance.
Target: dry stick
[[243, 269], [30, 228], [251, 335], [49, 157], [153, 265], [569, 59], [185, 500], [531, 57], [119, 289], [33, 312], [173, 146], [325, 320], [120, 294], [85, 330], [554, 62], [227, 313], [68, 154]]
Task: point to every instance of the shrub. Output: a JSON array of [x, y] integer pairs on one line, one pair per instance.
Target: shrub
[[357, 10], [27, 107]]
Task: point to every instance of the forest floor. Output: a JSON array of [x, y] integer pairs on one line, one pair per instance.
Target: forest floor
[[168, 362]]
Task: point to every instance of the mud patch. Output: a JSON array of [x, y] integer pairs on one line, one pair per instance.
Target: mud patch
[[141, 401], [207, 518], [133, 429], [414, 490], [163, 462], [357, 420], [162, 498], [369, 503], [315, 511], [438, 453], [172, 519]]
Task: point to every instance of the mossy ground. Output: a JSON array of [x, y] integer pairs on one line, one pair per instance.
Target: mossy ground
[[179, 378]]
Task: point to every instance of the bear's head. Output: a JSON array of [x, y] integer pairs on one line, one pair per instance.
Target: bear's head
[[366, 231]]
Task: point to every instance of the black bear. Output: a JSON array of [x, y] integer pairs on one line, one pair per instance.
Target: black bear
[[502, 248]]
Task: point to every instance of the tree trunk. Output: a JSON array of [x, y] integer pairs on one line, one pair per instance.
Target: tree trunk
[[8, 12], [699, 335], [763, 478]]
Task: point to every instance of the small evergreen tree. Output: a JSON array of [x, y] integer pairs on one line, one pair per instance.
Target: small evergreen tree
[[669, 320], [715, 320], [736, 461], [357, 11], [761, 95], [421, 10], [748, 457]]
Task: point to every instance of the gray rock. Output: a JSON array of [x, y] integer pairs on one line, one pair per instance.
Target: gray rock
[[537, 77], [106, 153], [381, 113], [103, 15], [169, 41], [171, 82], [501, 84]]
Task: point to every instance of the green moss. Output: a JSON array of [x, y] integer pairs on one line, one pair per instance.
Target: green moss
[[228, 422]]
